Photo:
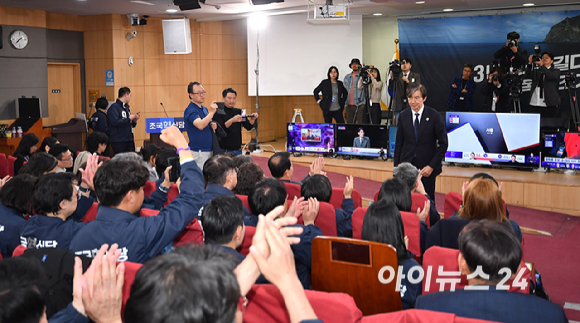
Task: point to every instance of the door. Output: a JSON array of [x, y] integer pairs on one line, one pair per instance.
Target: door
[[64, 93]]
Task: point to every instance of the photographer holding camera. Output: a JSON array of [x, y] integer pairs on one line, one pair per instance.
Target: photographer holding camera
[[496, 93], [375, 87], [405, 79], [231, 121], [545, 98], [511, 55]]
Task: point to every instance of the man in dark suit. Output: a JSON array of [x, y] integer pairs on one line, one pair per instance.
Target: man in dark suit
[[361, 141], [421, 138], [405, 80], [487, 249], [544, 98]]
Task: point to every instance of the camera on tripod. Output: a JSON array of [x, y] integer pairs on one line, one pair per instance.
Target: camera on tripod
[[514, 81], [364, 73], [570, 80], [537, 57], [395, 67]]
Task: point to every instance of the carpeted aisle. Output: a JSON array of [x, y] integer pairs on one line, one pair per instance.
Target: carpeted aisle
[[555, 257]]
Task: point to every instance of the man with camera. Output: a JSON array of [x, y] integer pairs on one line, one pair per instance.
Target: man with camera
[[511, 55], [355, 101], [462, 88], [544, 98], [495, 92], [405, 79], [231, 121]]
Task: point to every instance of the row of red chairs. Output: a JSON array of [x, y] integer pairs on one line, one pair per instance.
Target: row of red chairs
[[6, 165]]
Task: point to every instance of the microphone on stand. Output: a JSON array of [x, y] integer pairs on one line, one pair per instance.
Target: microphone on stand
[[164, 109]]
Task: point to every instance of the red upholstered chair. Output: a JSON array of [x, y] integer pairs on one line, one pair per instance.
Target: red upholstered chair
[[436, 257], [18, 251], [418, 201], [411, 223], [453, 201], [3, 166], [149, 188], [148, 212], [266, 305], [191, 234], [376, 197], [338, 195], [131, 270], [172, 194], [326, 219], [244, 249], [245, 202], [292, 190], [418, 316], [11, 160], [91, 213]]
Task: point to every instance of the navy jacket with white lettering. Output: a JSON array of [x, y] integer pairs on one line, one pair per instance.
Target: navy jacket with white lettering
[[120, 125], [41, 231], [142, 238], [10, 223]]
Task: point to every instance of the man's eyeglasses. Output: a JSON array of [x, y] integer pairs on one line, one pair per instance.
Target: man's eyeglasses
[[200, 93]]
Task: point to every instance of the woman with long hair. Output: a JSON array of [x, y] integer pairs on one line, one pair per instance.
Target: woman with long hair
[[27, 147], [375, 88]]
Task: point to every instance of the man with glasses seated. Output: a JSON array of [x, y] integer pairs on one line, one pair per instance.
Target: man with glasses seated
[[64, 156], [197, 119]]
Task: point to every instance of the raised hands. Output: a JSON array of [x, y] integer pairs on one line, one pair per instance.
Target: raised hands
[[348, 187]]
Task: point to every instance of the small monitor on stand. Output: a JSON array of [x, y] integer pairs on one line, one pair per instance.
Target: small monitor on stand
[[29, 108]]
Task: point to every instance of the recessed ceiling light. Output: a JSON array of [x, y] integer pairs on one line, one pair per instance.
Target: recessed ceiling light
[[529, 4], [448, 9], [377, 14], [419, 2], [171, 10], [143, 2]]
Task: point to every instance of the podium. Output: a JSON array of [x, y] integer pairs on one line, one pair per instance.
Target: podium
[[70, 133], [29, 125]]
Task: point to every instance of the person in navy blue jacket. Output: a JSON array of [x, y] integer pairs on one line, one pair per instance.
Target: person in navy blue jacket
[[15, 197], [122, 122], [486, 248], [54, 201], [98, 121], [319, 187], [220, 175], [119, 186]]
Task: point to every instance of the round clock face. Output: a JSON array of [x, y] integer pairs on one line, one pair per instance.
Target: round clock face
[[19, 39]]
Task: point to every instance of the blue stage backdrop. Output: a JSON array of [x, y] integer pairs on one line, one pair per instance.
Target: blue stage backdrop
[[439, 47]]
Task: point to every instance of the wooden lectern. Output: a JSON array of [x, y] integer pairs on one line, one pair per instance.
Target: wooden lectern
[[70, 133]]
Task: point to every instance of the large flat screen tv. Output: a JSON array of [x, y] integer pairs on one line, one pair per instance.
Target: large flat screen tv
[[561, 150], [501, 139], [362, 140], [310, 137]]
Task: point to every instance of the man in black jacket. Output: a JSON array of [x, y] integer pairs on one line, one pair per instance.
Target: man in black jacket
[[511, 54], [231, 121], [544, 98]]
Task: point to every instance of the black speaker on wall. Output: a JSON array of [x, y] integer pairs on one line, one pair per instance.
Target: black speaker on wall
[[188, 4]]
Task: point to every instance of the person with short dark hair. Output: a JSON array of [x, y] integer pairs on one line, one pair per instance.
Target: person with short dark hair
[[334, 96], [54, 201], [375, 88], [64, 157], [355, 100], [97, 142], [491, 246], [282, 169], [98, 121], [15, 198], [122, 122], [421, 138], [544, 98], [511, 55], [495, 92], [383, 223], [39, 164], [462, 88], [119, 186], [199, 125], [231, 120], [149, 154], [249, 174], [319, 187], [47, 143], [361, 141], [405, 80], [239, 160], [26, 148]]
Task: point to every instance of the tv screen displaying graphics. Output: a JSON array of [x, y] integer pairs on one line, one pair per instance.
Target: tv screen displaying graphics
[[362, 140], [561, 150], [503, 139], [310, 137]]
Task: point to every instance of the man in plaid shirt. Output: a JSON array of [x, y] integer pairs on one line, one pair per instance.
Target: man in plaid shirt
[[461, 97]]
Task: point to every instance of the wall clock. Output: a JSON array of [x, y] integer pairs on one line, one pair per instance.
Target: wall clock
[[19, 39]]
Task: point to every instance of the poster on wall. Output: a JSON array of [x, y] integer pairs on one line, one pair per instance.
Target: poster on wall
[[439, 47]]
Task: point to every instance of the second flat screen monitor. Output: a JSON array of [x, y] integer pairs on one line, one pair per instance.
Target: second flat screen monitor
[[362, 140]]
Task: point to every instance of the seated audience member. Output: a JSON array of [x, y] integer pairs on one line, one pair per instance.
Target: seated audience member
[[47, 143], [119, 186], [271, 193], [383, 224], [161, 162], [409, 174], [15, 198], [64, 156], [319, 187], [80, 160], [54, 201], [249, 174], [39, 164], [281, 167], [211, 277], [482, 201], [149, 154], [27, 147], [239, 160], [220, 178], [499, 186], [97, 142], [491, 246]]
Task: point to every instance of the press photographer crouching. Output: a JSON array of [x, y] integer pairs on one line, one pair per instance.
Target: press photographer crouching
[[495, 92], [544, 98]]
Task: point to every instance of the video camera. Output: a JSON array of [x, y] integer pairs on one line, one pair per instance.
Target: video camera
[[364, 73], [395, 67], [570, 80], [514, 81]]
